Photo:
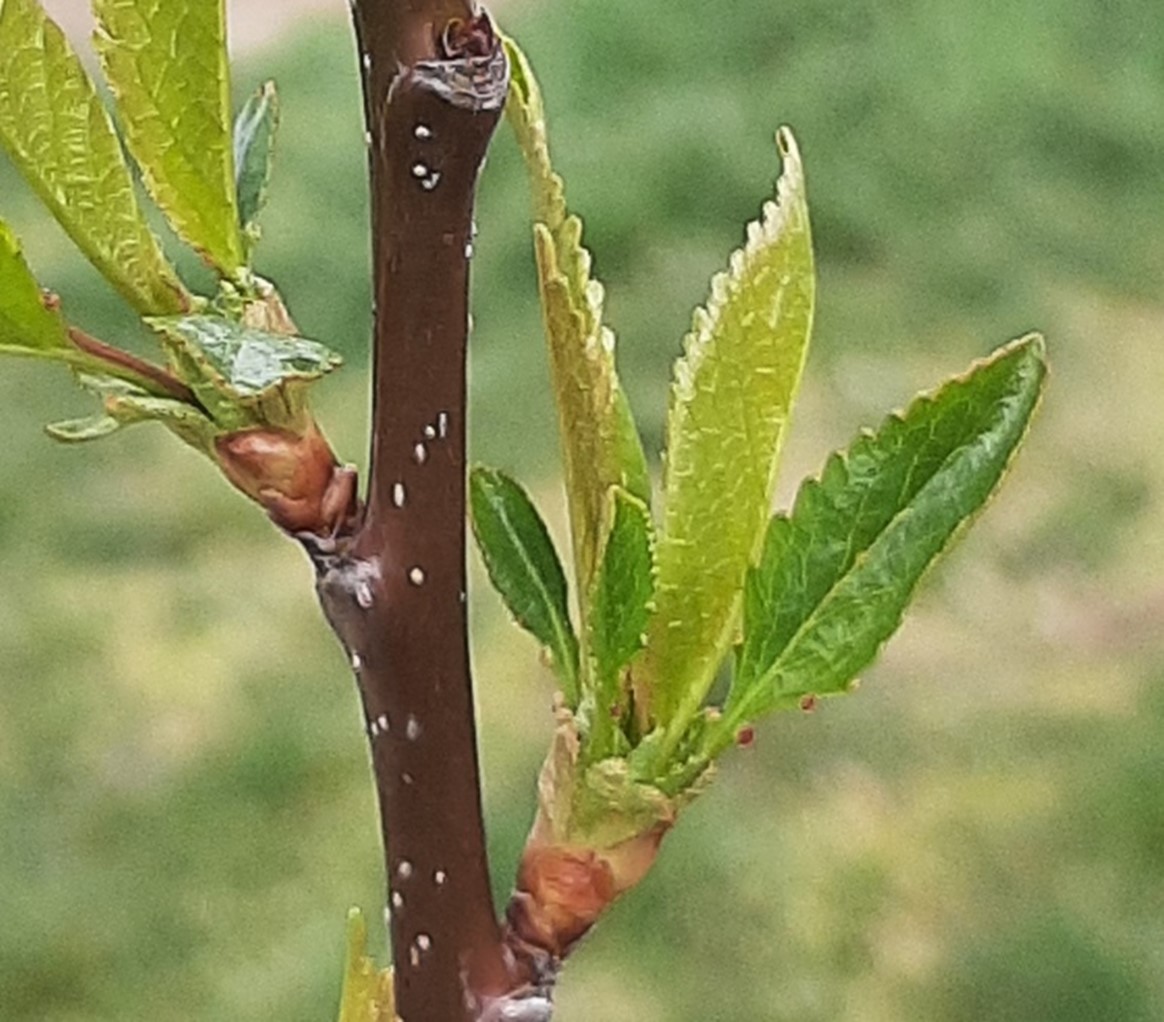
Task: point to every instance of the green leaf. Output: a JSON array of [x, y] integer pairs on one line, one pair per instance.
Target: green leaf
[[730, 404], [620, 607], [234, 368], [368, 994], [835, 576], [124, 403], [75, 431], [60, 137], [254, 151], [27, 324], [167, 65], [524, 567], [600, 445]]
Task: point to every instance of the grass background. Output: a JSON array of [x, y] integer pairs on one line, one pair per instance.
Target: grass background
[[978, 834]]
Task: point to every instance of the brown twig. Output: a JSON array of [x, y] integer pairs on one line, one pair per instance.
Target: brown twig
[[434, 83]]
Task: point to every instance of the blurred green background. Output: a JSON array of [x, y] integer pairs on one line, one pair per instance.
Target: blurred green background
[[978, 834]]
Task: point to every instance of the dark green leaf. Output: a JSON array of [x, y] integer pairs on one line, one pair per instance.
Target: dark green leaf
[[524, 567], [254, 150], [620, 607], [231, 367], [835, 576]]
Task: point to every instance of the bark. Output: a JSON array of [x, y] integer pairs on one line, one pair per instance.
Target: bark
[[393, 586]]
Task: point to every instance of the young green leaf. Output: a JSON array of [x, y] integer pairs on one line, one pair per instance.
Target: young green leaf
[[524, 567], [835, 576], [167, 66], [233, 368], [125, 403], [620, 607], [75, 431], [368, 994], [730, 403], [27, 324], [254, 151], [600, 444], [60, 138]]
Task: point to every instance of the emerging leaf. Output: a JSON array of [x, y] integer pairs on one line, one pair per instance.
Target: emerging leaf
[[75, 431], [27, 324], [620, 607], [730, 403], [600, 444], [368, 994], [254, 151], [835, 576], [232, 367], [524, 568], [125, 403], [167, 65], [60, 138]]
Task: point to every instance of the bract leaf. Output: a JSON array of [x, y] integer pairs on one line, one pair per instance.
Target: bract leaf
[[620, 607], [167, 66], [27, 324], [60, 138], [730, 403], [254, 151], [835, 575], [524, 567], [600, 445]]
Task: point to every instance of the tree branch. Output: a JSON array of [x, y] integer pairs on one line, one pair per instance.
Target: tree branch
[[435, 78]]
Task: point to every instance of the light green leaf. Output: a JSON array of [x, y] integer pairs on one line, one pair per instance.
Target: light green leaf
[[167, 66], [835, 576], [74, 431], [125, 403], [524, 567], [730, 404], [27, 325], [254, 151], [600, 444], [59, 136], [368, 994], [232, 368], [620, 606]]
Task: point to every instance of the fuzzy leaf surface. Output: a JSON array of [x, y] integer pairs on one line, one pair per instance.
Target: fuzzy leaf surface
[[254, 151], [60, 137], [601, 446], [167, 66], [524, 567], [836, 574], [730, 403], [27, 326], [620, 607]]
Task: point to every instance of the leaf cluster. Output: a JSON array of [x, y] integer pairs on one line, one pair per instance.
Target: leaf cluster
[[800, 601], [232, 360]]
